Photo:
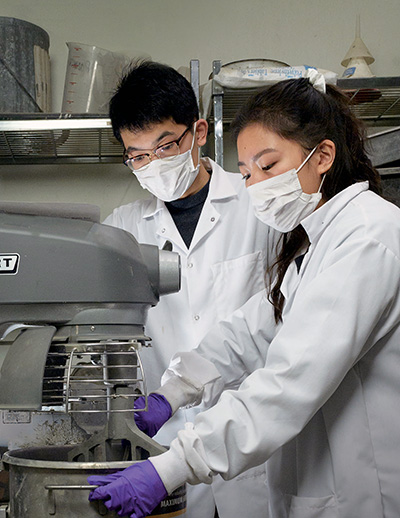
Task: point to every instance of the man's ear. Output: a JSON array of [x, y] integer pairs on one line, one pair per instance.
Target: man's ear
[[326, 153], [201, 132]]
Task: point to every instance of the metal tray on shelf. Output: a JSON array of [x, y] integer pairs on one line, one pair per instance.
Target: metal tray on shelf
[[376, 100], [46, 138]]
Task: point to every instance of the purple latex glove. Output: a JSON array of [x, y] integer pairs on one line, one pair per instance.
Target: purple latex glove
[[133, 492], [159, 411]]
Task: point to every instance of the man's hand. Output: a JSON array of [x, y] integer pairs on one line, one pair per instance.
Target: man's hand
[[159, 411]]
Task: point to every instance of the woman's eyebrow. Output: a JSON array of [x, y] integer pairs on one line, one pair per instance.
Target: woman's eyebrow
[[258, 155], [263, 152]]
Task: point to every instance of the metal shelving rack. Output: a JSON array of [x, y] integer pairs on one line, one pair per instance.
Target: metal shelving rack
[[39, 138], [45, 138], [376, 100]]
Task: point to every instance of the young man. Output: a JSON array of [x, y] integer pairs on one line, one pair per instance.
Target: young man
[[206, 216]]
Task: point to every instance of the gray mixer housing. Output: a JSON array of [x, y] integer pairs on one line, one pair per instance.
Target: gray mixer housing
[[64, 272], [61, 267]]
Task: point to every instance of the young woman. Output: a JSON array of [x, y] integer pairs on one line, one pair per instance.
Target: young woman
[[305, 376]]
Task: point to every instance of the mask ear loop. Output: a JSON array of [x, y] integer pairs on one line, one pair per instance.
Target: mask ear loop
[[194, 138], [305, 161], [194, 135], [320, 185]]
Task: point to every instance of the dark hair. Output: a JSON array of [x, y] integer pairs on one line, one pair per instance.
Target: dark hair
[[150, 93], [296, 111]]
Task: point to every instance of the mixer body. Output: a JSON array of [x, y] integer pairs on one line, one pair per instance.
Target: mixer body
[[74, 296]]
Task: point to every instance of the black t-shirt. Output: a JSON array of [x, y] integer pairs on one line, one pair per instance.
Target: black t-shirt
[[186, 213]]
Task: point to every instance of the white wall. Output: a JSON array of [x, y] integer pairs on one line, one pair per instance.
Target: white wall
[[314, 32]]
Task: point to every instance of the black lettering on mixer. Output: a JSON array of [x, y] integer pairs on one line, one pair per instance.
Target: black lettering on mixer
[[174, 501], [9, 264]]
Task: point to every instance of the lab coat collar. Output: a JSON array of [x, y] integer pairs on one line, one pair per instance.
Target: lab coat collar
[[220, 188], [315, 223]]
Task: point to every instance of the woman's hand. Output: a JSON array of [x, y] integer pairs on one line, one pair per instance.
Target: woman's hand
[[133, 492]]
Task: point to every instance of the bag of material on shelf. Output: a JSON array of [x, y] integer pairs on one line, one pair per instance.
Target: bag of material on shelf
[[244, 77], [254, 77]]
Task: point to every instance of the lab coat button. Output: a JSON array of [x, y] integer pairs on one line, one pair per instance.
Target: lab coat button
[[212, 219], [163, 230], [197, 317], [190, 265]]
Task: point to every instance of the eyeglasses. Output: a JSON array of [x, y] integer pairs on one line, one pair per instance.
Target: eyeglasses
[[168, 150]]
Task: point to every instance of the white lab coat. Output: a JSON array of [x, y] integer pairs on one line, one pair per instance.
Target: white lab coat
[[223, 268], [321, 394]]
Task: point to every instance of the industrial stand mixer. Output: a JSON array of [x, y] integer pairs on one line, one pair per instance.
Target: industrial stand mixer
[[74, 296]]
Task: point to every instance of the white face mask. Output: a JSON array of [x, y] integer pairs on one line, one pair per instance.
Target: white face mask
[[169, 178], [280, 201]]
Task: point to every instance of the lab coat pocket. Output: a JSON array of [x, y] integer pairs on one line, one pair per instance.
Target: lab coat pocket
[[235, 281], [308, 507]]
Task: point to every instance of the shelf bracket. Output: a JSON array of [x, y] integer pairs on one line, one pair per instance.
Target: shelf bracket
[[217, 95]]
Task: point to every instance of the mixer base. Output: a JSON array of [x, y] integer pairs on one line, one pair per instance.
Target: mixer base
[[44, 483]]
